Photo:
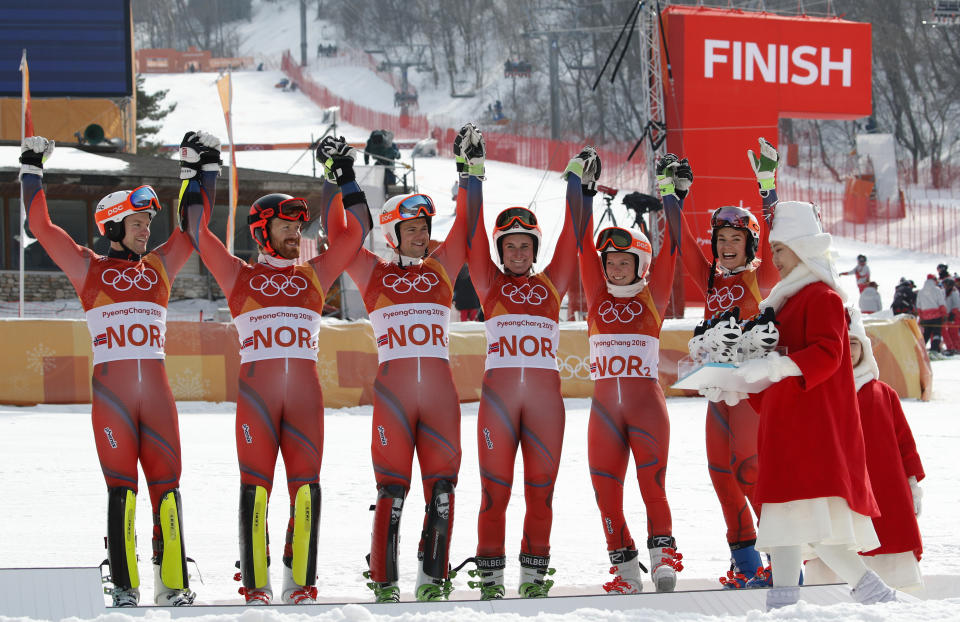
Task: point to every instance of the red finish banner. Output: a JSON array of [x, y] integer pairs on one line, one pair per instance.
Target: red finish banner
[[735, 74]]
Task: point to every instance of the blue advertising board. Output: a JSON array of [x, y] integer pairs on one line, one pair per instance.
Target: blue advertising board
[[74, 48]]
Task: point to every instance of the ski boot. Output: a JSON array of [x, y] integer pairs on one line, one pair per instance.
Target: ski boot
[[125, 596], [430, 588], [253, 595], [745, 566], [170, 597], [295, 594], [533, 572], [626, 567], [665, 562], [490, 572], [386, 592]]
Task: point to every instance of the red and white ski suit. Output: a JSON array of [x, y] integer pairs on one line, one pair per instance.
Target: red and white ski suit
[[134, 415], [731, 431], [628, 412], [277, 312], [415, 402], [520, 403]]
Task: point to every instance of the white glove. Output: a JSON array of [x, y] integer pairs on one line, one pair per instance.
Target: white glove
[[917, 493], [585, 165], [772, 366], [765, 166], [470, 151], [716, 394], [33, 153], [199, 151]]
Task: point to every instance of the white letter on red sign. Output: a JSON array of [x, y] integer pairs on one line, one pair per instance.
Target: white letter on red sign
[[798, 59], [826, 66], [710, 56], [767, 66]]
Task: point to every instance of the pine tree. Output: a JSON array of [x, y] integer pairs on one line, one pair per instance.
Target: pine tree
[[149, 108]]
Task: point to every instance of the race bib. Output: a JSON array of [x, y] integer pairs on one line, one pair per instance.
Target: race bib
[[127, 330], [411, 330], [522, 340], [624, 356], [278, 332]]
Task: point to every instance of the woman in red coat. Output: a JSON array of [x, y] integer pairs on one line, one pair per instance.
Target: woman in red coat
[[813, 486], [894, 467]]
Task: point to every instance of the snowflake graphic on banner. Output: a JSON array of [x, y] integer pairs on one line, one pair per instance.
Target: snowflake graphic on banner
[[188, 385], [37, 359]]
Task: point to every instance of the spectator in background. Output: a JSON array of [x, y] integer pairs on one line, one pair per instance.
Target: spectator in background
[[465, 298], [870, 298], [384, 151], [943, 272], [932, 311], [905, 297], [862, 272], [951, 330]]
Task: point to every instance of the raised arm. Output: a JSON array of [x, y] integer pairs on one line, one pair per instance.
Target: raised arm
[[196, 206], [765, 168], [665, 263], [72, 258], [591, 266], [581, 174], [199, 158], [483, 271], [674, 178], [453, 251], [345, 214]]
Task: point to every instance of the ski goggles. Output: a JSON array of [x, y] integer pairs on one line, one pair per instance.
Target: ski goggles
[[617, 239], [516, 216], [288, 209], [140, 199], [736, 217], [414, 206]]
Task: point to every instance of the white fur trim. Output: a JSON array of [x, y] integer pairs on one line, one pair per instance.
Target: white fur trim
[[799, 277], [867, 369]]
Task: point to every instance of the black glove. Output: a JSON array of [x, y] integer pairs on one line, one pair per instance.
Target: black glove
[[337, 155], [683, 179], [199, 151]]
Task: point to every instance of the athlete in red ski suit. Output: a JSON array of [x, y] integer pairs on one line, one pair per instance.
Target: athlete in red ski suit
[[276, 305], [520, 404], [415, 402], [124, 295], [731, 431], [628, 412]]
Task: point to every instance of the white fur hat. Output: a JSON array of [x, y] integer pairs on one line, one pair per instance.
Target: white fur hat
[[797, 224], [868, 363]]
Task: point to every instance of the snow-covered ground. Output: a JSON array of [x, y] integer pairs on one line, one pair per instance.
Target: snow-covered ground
[[55, 506]]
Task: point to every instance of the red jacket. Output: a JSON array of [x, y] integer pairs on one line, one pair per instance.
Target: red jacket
[[810, 443], [891, 458]]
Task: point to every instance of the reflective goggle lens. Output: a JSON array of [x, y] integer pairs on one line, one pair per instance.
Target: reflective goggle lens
[[615, 237], [143, 198], [729, 216], [293, 209], [416, 206], [516, 215]]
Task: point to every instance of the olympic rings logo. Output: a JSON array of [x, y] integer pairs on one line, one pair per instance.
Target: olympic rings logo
[[422, 283], [278, 284], [619, 312], [525, 293], [723, 298], [130, 277], [573, 366]]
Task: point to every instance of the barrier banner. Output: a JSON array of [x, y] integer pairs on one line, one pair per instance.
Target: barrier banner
[[55, 360]]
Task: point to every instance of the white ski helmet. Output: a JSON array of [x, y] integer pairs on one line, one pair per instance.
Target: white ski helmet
[[113, 208], [404, 207], [516, 220], [622, 240]]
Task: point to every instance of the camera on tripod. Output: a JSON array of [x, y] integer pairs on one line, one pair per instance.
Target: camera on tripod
[[641, 204]]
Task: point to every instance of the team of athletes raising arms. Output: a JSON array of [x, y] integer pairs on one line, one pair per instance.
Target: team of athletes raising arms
[[416, 407]]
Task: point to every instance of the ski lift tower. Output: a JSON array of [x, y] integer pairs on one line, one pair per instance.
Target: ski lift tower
[[406, 56]]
